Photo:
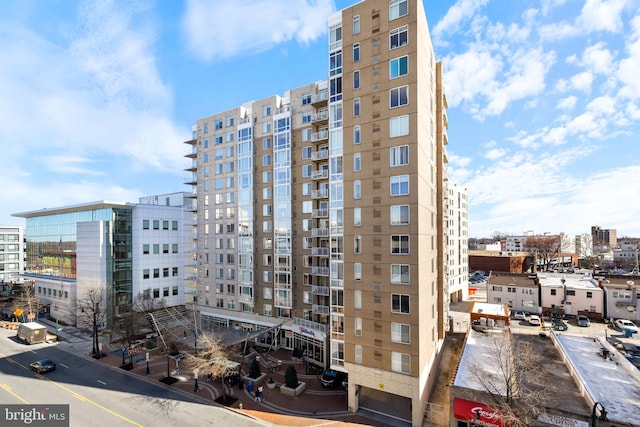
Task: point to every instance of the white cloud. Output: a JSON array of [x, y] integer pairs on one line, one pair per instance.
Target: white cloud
[[598, 59], [629, 66], [459, 12], [223, 29], [582, 81], [567, 103], [602, 15], [495, 153]]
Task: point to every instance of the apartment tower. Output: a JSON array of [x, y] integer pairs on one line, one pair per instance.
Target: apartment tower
[[321, 213]]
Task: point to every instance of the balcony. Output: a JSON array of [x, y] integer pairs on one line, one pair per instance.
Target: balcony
[[320, 232], [320, 174], [321, 135], [320, 309], [320, 213], [322, 117], [320, 155], [320, 251], [246, 299], [320, 271], [322, 193], [321, 290], [320, 98]]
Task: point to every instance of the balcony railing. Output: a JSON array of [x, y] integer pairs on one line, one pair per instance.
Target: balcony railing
[[320, 271], [320, 174], [322, 193], [320, 155], [320, 251], [321, 290], [320, 136], [320, 309], [321, 213], [320, 232], [321, 116], [320, 97]]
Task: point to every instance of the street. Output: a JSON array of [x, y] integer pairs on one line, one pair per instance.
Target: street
[[99, 394]]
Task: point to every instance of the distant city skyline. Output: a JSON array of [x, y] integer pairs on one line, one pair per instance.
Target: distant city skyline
[[98, 96]]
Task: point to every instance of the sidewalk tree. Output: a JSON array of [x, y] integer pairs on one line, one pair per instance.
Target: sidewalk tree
[[509, 374], [291, 377], [133, 319], [544, 248], [93, 314], [211, 360], [254, 369]]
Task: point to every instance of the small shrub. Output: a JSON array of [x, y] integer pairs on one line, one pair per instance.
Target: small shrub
[[254, 369], [291, 377]]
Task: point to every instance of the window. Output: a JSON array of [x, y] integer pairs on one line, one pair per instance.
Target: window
[[229, 121], [306, 171], [398, 37], [356, 52], [145, 249], [357, 271], [266, 177], [357, 300], [306, 189], [357, 193], [356, 134], [398, 67], [218, 124], [218, 139], [307, 207], [266, 110], [165, 272], [357, 217], [400, 333], [266, 160], [165, 248], [589, 294], [145, 273], [266, 210], [174, 271], [401, 362], [399, 215], [399, 96], [306, 99], [400, 244], [356, 24], [306, 117], [400, 185], [356, 79], [174, 225], [266, 143], [156, 249], [357, 244], [358, 326], [553, 291], [400, 274], [399, 156], [356, 107], [398, 126], [145, 224], [266, 193], [266, 127], [156, 273], [156, 224], [306, 153], [398, 8], [400, 303], [356, 162], [229, 137]]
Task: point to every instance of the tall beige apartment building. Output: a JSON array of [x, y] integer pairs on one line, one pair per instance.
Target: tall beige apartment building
[[320, 216]]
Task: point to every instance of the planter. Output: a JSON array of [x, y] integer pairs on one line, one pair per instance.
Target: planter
[[271, 385], [293, 391], [256, 381]]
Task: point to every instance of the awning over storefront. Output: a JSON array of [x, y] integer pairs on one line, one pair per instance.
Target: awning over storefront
[[467, 410]]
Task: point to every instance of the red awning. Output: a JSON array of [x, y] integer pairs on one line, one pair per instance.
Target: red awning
[[467, 410]]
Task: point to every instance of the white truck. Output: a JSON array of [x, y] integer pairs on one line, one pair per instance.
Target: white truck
[[32, 333]]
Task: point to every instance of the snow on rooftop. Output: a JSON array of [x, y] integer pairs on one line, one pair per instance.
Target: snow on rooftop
[[486, 308], [609, 383], [570, 281], [479, 348]]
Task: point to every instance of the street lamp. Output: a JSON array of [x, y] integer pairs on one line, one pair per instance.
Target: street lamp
[[94, 309], [595, 418]]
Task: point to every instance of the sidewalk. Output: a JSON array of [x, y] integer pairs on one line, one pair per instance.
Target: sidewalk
[[314, 407]]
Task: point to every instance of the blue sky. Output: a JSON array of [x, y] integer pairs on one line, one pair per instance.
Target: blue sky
[[96, 98]]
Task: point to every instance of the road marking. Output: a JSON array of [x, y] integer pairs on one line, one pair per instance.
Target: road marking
[[64, 366], [102, 382], [8, 389]]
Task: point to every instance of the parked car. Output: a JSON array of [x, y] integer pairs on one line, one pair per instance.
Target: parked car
[[520, 315], [534, 320], [583, 321], [559, 325], [42, 366], [332, 378], [624, 324]]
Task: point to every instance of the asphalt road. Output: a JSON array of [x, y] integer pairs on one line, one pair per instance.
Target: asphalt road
[[98, 394]]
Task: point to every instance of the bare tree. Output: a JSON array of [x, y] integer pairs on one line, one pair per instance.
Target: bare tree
[[212, 360], [544, 247], [510, 376], [93, 313]]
